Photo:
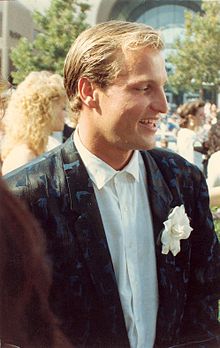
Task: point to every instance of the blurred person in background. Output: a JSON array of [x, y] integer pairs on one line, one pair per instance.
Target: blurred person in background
[[35, 110], [26, 320], [213, 113], [190, 144], [213, 168], [214, 194]]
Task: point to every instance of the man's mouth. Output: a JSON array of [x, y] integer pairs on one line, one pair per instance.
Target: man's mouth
[[151, 123]]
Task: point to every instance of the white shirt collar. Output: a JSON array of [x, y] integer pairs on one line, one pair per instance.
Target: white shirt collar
[[99, 171]]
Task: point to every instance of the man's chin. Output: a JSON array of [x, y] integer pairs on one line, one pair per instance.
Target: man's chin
[[148, 146]]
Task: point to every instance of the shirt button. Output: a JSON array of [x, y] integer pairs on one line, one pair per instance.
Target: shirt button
[[129, 177]]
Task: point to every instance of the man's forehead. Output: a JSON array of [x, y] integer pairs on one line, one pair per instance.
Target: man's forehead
[[135, 60], [144, 61]]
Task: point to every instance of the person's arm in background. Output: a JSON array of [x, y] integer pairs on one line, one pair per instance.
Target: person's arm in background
[[214, 194]]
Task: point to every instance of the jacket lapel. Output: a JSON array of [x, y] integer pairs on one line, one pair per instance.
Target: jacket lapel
[[169, 271], [91, 236], [160, 197]]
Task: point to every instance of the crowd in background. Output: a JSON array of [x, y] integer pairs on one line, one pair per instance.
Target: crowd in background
[[193, 131], [35, 118]]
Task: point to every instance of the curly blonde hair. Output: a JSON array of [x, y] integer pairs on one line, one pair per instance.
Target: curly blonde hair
[[29, 115], [98, 53]]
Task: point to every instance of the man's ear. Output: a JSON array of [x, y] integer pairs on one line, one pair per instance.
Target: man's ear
[[86, 92]]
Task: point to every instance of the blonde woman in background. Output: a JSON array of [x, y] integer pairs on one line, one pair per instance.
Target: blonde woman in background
[[35, 110]]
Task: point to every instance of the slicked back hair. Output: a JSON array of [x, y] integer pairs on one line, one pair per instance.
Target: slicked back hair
[[98, 54]]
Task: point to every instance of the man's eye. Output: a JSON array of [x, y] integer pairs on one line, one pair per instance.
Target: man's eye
[[143, 88]]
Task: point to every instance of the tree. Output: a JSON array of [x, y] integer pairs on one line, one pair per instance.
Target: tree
[[196, 63], [57, 29]]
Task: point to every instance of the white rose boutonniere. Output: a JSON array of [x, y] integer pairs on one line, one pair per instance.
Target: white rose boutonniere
[[176, 227]]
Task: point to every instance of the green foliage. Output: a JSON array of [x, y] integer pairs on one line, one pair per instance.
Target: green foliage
[[216, 218], [196, 60], [57, 30], [217, 228]]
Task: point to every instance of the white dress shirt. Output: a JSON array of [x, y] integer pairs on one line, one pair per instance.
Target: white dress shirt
[[123, 203]]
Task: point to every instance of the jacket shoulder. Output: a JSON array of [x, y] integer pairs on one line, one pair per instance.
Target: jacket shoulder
[[169, 159], [34, 174], [179, 174]]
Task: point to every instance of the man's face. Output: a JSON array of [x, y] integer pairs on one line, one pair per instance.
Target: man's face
[[130, 108]]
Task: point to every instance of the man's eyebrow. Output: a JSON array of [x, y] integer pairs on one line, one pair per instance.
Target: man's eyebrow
[[147, 81]]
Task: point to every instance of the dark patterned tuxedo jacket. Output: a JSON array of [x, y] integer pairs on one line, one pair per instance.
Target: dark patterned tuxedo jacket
[[84, 292]]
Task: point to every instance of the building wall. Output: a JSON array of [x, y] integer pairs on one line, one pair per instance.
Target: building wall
[[15, 22]]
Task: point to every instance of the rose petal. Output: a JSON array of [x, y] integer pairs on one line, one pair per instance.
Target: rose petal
[[165, 249]]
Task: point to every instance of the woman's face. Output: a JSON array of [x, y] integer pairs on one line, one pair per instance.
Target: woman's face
[[200, 116], [59, 113]]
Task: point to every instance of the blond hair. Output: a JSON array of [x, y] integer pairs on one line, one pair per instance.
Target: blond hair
[[29, 115], [98, 54]]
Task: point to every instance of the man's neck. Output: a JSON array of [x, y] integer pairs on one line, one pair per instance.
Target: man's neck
[[113, 156]]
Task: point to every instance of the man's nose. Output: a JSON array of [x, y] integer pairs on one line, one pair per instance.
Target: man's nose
[[163, 106], [160, 103]]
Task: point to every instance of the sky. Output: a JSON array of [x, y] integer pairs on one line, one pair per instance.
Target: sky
[[35, 4]]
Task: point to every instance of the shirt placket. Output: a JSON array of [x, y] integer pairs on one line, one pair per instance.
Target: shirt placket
[[124, 191]]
